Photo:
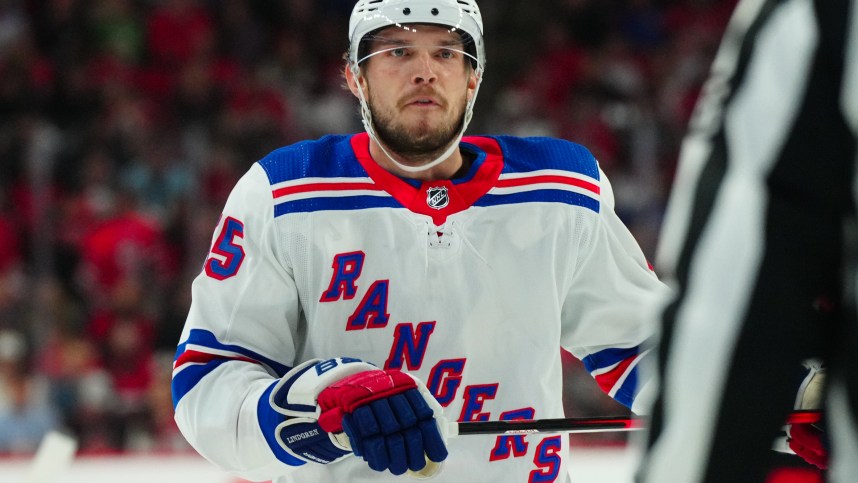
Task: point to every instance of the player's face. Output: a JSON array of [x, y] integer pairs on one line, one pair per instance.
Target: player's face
[[418, 88]]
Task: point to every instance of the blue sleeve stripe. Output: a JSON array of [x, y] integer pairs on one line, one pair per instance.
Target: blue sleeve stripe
[[206, 338], [540, 196], [625, 395], [185, 380], [608, 357], [269, 419]]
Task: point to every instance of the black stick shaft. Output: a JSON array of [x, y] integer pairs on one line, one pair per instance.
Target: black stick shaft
[[586, 425]]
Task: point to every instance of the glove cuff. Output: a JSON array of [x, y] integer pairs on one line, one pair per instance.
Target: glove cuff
[[304, 439], [288, 413], [296, 393]]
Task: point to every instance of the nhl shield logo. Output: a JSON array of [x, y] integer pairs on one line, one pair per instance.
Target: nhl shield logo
[[437, 198]]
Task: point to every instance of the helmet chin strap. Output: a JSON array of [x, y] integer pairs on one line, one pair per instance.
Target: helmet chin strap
[[366, 115]]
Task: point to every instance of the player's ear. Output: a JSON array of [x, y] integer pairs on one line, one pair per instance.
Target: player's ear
[[352, 80], [473, 81]]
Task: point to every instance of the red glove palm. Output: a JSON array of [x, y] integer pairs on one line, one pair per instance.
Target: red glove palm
[[346, 395]]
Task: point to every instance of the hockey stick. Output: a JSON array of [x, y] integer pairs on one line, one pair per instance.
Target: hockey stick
[[581, 425], [565, 425]]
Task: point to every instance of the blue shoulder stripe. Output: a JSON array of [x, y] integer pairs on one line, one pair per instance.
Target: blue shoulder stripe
[[545, 196], [327, 157], [538, 153], [346, 203]]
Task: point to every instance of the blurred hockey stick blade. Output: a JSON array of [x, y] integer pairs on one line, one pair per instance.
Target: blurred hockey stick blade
[[581, 425], [54, 456]]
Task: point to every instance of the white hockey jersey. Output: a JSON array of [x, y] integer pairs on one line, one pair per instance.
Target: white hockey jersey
[[473, 285]]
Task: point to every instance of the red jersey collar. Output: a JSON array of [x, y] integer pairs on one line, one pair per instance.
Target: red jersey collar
[[436, 199]]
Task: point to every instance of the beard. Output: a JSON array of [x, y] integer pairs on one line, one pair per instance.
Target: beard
[[420, 141]]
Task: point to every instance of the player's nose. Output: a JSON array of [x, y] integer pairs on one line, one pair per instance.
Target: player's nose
[[424, 68]]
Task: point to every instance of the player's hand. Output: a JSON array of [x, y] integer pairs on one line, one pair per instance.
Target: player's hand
[[389, 417], [323, 411], [809, 440]]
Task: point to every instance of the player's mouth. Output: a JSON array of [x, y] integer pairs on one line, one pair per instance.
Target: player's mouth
[[423, 102]]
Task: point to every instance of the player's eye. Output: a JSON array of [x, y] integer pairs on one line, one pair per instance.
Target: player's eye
[[399, 52], [447, 54]]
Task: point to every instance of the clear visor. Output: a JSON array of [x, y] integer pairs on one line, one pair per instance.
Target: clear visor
[[456, 49]]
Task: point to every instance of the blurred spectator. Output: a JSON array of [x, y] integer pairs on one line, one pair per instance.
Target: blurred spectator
[[80, 388], [26, 414], [13, 25], [11, 259], [124, 333], [642, 24], [241, 35], [125, 243], [219, 174], [178, 31], [156, 430], [256, 114], [118, 29], [159, 179]]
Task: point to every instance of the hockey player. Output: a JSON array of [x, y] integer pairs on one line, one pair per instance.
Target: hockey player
[[362, 289]]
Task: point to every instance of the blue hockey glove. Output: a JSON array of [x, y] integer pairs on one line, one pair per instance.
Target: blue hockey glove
[[390, 420]]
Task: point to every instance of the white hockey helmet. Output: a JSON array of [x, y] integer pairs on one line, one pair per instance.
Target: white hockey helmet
[[460, 15]]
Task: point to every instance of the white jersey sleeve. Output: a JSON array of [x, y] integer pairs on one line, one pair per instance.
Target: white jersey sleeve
[[603, 312], [229, 352]]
